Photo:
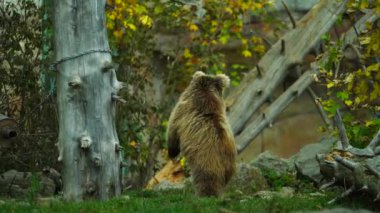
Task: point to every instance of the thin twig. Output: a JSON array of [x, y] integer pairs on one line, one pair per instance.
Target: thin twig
[[372, 145], [347, 163], [321, 111], [342, 130], [344, 194], [289, 14], [328, 184]]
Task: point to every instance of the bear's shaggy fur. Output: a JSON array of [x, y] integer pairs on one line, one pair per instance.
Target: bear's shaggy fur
[[198, 127]]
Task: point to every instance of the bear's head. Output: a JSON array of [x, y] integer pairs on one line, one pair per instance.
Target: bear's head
[[215, 83]]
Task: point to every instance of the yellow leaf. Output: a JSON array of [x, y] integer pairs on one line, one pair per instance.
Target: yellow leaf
[[110, 25], [129, 25], [348, 102], [246, 53], [363, 4], [330, 84], [228, 10], [256, 39], [214, 23], [373, 67], [256, 6], [369, 123], [357, 100], [133, 144], [165, 123], [365, 40], [259, 49], [146, 21], [245, 6], [224, 39], [132, 27], [244, 41], [182, 161], [362, 87], [130, 12], [375, 93], [118, 34], [348, 78], [111, 16], [193, 27], [187, 53]]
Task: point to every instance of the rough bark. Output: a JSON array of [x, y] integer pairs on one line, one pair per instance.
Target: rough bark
[[86, 89], [275, 64], [355, 172]]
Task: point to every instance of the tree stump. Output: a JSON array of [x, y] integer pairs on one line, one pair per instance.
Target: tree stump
[[8, 131]]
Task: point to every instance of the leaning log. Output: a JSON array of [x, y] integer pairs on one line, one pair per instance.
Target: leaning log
[[275, 64], [266, 117]]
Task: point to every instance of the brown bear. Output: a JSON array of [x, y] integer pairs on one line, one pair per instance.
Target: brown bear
[[198, 127]]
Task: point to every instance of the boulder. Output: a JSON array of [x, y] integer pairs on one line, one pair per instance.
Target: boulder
[[17, 184], [305, 161], [267, 161], [248, 179], [165, 184], [284, 192]]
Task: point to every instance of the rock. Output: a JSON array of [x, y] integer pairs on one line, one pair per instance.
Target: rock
[[247, 180], [46, 201], [317, 194], [125, 197], [305, 161], [163, 185], [17, 184], [267, 161], [285, 192]]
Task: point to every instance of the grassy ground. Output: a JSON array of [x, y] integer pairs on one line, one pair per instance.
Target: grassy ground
[[186, 201]]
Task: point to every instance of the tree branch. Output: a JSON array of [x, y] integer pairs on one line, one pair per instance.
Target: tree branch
[[255, 127], [244, 101], [342, 130]]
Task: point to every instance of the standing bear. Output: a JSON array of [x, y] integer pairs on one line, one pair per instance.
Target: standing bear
[[198, 127]]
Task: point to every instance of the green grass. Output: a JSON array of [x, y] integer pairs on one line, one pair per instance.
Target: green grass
[[185, 201]]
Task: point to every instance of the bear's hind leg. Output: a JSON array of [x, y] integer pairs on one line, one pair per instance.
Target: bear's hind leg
[[229, 172], [207, 184]]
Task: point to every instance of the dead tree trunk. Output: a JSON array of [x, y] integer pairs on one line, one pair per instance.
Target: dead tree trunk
[[87, 87]]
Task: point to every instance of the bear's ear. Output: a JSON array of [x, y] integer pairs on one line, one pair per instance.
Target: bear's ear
[[224, 79], [198, 74]]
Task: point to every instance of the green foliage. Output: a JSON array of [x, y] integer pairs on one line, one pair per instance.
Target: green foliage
[[352, 79], [34, 189], [23, 93], [277, 180]]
